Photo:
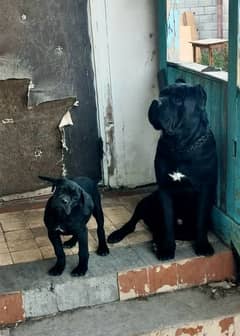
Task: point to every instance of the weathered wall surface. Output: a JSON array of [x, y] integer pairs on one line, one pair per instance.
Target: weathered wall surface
[[125, 54], [29, 137], [47, 42]]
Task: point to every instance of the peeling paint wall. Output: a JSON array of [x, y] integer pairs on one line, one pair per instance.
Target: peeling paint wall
[[47, 42], [125, 58], [30, 140]]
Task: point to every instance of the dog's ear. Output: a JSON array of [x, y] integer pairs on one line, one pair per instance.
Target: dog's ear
[[52, 180], [201, 97], [153, 113], [201, 102], [86, 202]]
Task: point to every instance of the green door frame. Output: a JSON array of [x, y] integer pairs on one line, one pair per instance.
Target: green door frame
[[162, 33], [233, 128]]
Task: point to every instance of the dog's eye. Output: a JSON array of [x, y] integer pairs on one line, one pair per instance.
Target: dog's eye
[[177, 100], [74, 195]]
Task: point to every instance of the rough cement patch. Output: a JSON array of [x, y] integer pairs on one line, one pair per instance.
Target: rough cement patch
[[86, 292], [39, 302]]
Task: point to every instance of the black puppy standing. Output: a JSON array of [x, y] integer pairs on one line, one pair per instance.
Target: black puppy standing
[[186, 173], [67, 213]]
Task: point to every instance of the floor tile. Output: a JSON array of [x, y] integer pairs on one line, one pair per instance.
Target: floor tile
[[42, 241], [34, 218], [5, 259], [47, 252], [39, 231], [3, 247], [9, 224], [117, 215], [92, 240], [92, 224], [2, 237], [17, 216], [130, 202], [27, 255], [139, 237], [18, 235], [22, 245]]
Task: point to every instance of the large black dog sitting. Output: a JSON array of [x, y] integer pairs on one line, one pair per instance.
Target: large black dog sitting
[[67, 213], [186, 173]]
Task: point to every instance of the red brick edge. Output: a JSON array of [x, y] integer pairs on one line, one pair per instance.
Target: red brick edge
[[175, 275], [11, 308], [221, 326]]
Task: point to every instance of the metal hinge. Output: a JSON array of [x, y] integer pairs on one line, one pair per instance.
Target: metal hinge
[[235, 148]]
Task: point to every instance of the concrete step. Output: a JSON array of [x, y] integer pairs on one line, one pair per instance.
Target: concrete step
[[26, 291], [204, 311]]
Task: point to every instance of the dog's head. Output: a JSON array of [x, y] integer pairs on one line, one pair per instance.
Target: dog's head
[[179, 105], [67, 195]]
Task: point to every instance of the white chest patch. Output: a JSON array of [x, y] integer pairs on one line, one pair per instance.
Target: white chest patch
[[59, 229], [177, 176]]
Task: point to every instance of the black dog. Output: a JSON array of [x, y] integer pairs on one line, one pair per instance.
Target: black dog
[[67, 213], [149, 211], [186, 172]]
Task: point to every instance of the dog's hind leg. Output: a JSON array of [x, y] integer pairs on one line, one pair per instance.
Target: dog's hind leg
[[204, 207], [82, 267], [70, 243], [55, 239], [140, 212], [166, 244], [102, 249]]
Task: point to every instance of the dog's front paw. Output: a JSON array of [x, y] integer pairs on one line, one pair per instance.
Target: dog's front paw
[[79, 271], [164, 253], [203, 249], [102, 250], [56, 270]]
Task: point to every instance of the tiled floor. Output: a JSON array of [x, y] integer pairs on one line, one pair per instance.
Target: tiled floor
[[23, 236]]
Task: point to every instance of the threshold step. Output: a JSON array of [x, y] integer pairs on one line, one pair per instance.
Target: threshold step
[[190, 312], [27, 291]]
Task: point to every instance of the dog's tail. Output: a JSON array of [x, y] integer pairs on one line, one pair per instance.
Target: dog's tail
[[49, 179], [52, 180]]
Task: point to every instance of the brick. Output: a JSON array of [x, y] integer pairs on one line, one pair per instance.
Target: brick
[[220, 266], [192, 272], [133, 284], [191, 331], [227, 326], [162, 278], [11, 308]]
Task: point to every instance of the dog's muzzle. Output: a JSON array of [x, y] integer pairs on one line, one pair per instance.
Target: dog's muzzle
[[63, 205]]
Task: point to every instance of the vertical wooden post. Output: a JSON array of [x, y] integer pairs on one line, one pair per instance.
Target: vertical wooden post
[[232, 123], [162, 33]]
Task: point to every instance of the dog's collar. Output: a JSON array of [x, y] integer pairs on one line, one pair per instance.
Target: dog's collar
[[197, 144]]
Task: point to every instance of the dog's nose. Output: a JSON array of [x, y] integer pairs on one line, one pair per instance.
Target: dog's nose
[[64, 200], [160, 103]]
